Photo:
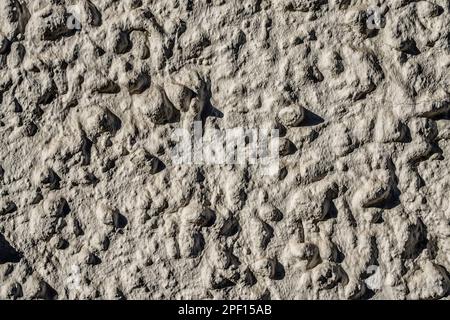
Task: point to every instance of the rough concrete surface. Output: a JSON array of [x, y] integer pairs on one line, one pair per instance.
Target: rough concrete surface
[[92, 205]]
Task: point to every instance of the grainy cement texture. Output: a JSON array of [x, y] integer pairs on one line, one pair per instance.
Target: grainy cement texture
[[92, 204]]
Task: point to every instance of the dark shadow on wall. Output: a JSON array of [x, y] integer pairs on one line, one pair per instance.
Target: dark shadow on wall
[[7, 252], [311, 119]]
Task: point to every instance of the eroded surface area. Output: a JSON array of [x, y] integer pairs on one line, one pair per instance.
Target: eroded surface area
[[92, 206]]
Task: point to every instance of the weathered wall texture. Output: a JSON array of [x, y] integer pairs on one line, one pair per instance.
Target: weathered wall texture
[[92, 205]]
